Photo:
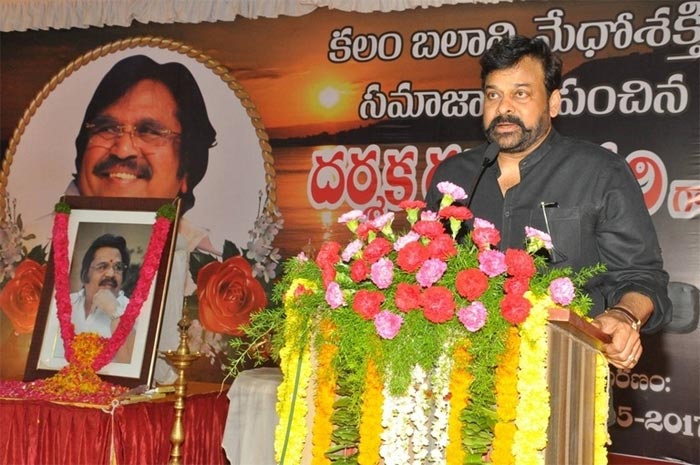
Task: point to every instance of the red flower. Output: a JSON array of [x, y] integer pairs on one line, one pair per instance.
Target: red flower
[[516, 286], [19, 299], [520, 264], [228, 294], [367, 303], [301, 290], [329, 254], [408, 297], [515, 308], [457, 212], [363, 230], [412, 256], [438, 304], [471, 283], [485, 237], [376, 249], [328, 275], [429, 229], [442, 247], [359, 270], [417, 204]]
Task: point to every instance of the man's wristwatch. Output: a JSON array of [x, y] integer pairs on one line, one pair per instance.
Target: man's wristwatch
[[635, 322]]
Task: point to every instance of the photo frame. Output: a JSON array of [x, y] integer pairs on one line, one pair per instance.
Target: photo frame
[[90, 218]]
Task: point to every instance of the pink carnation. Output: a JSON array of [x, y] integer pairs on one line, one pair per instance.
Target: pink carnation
[[492, 262], [562, 291], [334, 295], [382, 273], [407, 238], [387, 324], [485, 234], [473, 317], [453, 190], [430, 272], [351, 250]]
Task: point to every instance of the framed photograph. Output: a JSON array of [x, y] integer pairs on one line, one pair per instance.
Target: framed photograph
[[107, 242]]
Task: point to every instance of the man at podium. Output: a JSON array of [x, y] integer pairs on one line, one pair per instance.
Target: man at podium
[[583, 195]]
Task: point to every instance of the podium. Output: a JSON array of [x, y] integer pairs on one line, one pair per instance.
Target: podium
[[573, 345]]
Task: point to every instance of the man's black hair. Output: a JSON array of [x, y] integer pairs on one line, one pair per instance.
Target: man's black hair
[[197, 135], [510, 50], [106, 240]]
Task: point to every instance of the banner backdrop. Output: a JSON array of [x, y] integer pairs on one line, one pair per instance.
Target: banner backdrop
[[359, 108]]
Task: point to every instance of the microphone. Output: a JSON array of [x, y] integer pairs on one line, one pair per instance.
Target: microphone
[[490, 156]]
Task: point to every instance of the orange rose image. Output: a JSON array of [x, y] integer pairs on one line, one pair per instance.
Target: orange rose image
[[19, 299], [228, 294]]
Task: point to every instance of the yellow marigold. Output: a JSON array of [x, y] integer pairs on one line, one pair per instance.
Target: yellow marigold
[[290, 434], [506, 400], [371, 417], [600, 435], [326, 378], [532, 411]]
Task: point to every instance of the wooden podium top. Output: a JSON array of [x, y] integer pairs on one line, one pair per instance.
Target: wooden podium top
[[588, 332]]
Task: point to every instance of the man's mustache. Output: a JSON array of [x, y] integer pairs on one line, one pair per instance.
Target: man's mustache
[[510, 119], [109, 281], [141, 170]]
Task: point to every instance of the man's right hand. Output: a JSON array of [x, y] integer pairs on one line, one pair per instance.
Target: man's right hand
[[106, 302]]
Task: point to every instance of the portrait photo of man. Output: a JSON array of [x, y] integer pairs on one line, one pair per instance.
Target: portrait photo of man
[[143, 122], [100, 302], [146, 133]]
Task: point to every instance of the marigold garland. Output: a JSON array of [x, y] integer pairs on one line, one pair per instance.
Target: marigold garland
[[532, 411], [371, 416], [326, 378], [506, 400], [460, 380], [295, 363], [601, 437]]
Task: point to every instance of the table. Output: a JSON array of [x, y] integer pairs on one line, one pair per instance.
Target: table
[[249, 434], [47, 433]]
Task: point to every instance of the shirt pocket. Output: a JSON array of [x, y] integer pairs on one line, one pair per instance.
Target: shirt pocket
[[564, 229]]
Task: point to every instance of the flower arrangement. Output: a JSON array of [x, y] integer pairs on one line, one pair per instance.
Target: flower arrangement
[[418, 338], [21, 272], [231, 288]]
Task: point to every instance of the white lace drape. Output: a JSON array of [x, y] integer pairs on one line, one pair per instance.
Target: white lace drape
[[21, 15]]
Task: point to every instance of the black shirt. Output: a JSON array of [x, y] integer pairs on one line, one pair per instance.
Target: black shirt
[[595, 212]]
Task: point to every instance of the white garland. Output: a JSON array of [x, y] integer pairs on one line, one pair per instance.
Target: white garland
[[440, 381], [397, 431], [418, 392]]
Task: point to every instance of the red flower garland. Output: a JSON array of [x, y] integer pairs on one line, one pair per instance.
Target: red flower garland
[[150, 266]]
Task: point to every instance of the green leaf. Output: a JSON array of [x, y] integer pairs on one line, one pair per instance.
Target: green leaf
[[167, 211], [197, 261], [62, 207], [38, 254], [230, 250]]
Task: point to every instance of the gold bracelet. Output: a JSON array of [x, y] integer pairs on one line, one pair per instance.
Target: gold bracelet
[[635, 322]]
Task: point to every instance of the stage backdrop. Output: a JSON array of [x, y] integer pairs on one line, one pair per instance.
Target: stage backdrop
[[358, 109]]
